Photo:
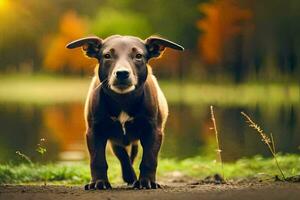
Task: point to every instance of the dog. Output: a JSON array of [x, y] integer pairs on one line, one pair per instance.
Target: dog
[[124, 105]]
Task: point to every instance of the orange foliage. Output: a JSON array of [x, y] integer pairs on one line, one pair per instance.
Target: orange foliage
[[57, 57], [224, 20]]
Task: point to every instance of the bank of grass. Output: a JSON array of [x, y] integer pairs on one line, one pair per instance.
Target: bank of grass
[[45, 89], [42, 89], [196, 168]]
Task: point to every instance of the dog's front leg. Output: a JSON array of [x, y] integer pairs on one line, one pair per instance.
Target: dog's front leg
[[151, 143], [98, 164]]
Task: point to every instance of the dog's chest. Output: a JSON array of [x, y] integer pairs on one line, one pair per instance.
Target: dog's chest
[[122, 119]]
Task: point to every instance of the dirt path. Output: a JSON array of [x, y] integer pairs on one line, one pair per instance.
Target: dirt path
[[182, 191]]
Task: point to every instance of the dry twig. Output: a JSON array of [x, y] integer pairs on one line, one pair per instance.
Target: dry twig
[[217, 138]]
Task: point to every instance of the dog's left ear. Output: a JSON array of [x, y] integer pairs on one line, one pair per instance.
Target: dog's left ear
[[156, 45], [90, 45]]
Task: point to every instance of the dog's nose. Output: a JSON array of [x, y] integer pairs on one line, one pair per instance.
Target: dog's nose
[[122, 74]]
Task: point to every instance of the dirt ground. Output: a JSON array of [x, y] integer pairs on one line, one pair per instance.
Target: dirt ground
[[286, 191]]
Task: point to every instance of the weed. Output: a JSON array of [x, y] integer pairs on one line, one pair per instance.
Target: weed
[[41, 149], [23, 156], [269, 142], [219, 151]]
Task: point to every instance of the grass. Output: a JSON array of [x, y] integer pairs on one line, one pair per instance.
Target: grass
[[249, 94], [197, 167], [43, 89], [269, 142]]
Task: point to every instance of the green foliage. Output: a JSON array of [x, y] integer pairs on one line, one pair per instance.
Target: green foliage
[[109, 21], [41, 149], [25, 173], [243, 168], [197, 167]]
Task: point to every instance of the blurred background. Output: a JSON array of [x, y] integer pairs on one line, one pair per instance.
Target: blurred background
[[241, 55]]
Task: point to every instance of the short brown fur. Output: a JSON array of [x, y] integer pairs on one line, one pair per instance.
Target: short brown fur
[[124, 105]]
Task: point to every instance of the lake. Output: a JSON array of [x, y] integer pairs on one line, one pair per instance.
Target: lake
[[188, 131]]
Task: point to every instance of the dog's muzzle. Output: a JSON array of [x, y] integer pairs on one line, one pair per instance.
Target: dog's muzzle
[[122, 81]]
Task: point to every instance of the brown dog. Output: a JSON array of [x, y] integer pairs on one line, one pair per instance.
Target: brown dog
[[124, 105]]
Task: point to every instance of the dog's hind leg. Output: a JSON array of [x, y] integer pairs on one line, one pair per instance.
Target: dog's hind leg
[[127, 169]]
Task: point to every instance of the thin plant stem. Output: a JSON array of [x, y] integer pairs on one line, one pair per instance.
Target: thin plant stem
[[24, 157], [275, 158], [265, 139], [213, 119], [273, 143], [41, 149]]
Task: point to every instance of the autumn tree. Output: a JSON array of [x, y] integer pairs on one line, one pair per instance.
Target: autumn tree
[[223, 21], [57, 57]]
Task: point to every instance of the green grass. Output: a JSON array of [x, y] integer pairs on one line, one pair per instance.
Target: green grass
[[197, 167], [228, 94], [42, 89]]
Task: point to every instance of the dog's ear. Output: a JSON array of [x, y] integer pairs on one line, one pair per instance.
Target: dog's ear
[[156, 45], [90, 45]]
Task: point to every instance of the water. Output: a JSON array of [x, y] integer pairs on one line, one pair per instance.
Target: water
[[188, 131]]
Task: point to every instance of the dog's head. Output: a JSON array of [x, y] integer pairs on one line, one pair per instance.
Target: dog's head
[[123, 59]]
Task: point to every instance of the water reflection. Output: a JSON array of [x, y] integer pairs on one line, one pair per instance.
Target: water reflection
[[187, 133], [66, 125]]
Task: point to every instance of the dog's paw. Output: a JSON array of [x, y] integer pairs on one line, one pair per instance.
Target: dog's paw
[[145, 184], [130, 179], [98, 185]]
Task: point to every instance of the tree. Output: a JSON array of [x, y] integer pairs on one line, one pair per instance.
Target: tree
[[57, 57], [223, 21]]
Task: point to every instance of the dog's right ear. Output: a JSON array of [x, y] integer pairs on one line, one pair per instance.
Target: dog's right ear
[[90, 45]]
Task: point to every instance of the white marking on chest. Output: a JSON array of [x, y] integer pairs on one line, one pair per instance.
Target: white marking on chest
[[123, 118]]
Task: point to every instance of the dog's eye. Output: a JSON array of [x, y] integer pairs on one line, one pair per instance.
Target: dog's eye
[[138, 56], [107, 56]]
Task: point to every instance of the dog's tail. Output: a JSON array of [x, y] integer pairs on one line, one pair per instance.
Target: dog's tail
[[133, 152]]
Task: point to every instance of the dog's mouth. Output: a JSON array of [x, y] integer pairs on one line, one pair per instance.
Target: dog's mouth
[[122, 87]]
